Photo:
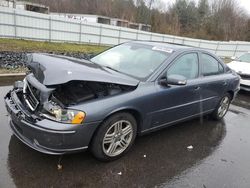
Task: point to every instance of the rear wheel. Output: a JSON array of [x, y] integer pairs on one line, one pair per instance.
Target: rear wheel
[[115, 137], [222, 107]]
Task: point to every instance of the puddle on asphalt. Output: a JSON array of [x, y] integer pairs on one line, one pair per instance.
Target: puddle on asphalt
[[235, 111], [166, 156]]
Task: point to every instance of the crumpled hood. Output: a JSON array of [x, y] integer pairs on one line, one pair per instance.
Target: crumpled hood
[[53, 70], [240, 67]]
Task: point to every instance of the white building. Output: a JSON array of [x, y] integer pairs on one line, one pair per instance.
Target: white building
[[144, 27], [85, 17], [119, 22], [90, 18], [7, 3], [25, 5]]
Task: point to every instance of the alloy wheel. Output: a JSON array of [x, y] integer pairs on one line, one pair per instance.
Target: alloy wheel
[[117, 138], [222, 110]]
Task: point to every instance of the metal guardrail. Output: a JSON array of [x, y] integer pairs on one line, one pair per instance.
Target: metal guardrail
[[35, 26]]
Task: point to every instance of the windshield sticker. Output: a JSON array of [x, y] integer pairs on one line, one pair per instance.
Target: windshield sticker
[[160, 48]]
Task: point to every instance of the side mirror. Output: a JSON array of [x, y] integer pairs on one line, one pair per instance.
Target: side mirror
[[233, 58], [174, 80]]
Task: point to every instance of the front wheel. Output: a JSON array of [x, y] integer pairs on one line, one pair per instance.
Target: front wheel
[[115, 137], [222, 107]]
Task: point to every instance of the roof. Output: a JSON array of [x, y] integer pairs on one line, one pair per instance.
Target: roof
[[164, 44], [82, 15], [31, 3]]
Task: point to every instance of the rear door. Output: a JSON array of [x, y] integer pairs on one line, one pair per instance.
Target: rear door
[[213, 81]]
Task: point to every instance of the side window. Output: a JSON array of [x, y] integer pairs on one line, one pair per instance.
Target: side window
[[210, 65], [186, 65]]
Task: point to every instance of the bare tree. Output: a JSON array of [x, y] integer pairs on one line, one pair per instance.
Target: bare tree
[[207, 19], [228, 20]]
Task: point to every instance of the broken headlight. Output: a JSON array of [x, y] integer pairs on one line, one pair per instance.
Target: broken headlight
[[59, 114]]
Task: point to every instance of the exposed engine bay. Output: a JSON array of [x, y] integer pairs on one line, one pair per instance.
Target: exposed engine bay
[[75, 92]]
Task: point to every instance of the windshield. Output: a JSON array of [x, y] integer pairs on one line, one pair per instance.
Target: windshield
[[245, 58], [137, 60]]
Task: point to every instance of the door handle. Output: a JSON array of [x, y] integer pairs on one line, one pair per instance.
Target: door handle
[[197, 88], [224, 83]]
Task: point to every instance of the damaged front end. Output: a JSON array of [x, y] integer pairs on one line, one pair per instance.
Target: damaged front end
[[56, 102], [56, 83], [39, 101], [42, 109]]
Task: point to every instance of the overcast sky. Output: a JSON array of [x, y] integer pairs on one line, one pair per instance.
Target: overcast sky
[[244, 3]]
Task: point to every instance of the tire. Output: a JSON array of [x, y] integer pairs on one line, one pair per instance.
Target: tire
[[222, 107], [115, 137]]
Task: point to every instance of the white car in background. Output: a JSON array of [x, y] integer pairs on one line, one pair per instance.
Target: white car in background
[[241, 66]]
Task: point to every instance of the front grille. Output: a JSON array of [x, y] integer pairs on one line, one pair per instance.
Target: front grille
[[31, 95], [245, 76]]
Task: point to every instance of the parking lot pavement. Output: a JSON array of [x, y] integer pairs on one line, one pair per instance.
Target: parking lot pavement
[[219, 158]]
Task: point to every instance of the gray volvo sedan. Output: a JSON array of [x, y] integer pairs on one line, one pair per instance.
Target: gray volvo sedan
[[66, 105]]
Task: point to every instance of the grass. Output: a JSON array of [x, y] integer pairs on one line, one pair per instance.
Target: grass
[[19, 45], [10, 71]]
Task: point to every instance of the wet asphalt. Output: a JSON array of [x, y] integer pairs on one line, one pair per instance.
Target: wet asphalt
[[220, 156]]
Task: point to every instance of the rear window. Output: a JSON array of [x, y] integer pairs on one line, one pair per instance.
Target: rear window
[[210, 65]]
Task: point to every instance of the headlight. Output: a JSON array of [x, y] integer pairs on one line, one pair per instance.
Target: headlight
[[66, 115]]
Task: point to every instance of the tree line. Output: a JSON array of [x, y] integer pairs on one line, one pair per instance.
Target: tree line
[[207, 19]]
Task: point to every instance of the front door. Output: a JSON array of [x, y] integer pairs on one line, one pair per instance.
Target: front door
[[178, 102]]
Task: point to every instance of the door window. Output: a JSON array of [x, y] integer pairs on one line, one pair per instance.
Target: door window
[[210, 66], [186, 65]]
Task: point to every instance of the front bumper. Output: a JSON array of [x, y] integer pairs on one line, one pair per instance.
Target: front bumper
[[60, 139]]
